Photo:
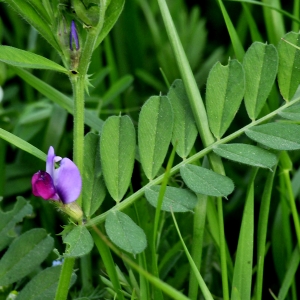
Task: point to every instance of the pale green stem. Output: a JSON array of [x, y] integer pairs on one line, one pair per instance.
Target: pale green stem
[[296, 13], [86, 272], [78, 142], [262, 232], [223, 249], [197, 245], [65, 278], [292, 204], [109, 263]]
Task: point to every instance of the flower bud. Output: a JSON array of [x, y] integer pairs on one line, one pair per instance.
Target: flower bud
[[74, 46], [74, 37]]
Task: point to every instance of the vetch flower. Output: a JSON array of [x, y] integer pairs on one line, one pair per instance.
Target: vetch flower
[[61, 184]]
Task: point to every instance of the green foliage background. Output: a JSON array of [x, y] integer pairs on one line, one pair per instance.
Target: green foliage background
[[134, 62]]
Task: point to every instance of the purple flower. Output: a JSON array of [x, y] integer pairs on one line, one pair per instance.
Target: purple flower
[[74, 36], [63, 183]]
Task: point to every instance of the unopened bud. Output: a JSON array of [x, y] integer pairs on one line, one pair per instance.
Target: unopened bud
[[74, 37]]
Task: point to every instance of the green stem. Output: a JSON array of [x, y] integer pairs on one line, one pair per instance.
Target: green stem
[[3, 147], [109, 263], [296, 14], [65, 278], [197, 246], [78, 82], [262, 232], [144, 284], [223, 250], [292, 204], [78, 140], [158, 293], [86, 272], [204, 289]]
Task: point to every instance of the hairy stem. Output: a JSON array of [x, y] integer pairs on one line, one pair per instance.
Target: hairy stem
[[65, 278]]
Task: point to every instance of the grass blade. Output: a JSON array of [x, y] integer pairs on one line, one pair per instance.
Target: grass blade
[[23, 145], [235, 40], [58, 97], [205, 291], [198, 233], [289, 275], [262, 232], [242, 275]]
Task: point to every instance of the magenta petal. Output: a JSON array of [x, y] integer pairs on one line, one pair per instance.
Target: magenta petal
[[67, 181], [50, 161], [42, 186]]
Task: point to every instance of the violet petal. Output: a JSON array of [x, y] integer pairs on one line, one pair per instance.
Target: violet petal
[[42, 186], [67, 181], [50, 161]]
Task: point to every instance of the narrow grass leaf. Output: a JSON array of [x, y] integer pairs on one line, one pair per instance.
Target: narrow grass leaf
[[272, 7], [117, 153], [55, 127], [109, 263], [242, 275], [224, 93], [25, 59], [154, 133], [9, 219], [24, 255], [291, 113], [260, 64], [247, 154], [93, 188], [278, 136], [57, 97], [112, 14], [125, 233], [252, 24], [290, 274], [43, 286], [116, 89], [274, 22], [41, 9], [169, 260], [262, 232], [235, 40], [289, 65], [204, 289], [79, 242], [175, 199], [157, 292], [23, 145], [185, 129], [203, 181], [24, 9], [197, 250]]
